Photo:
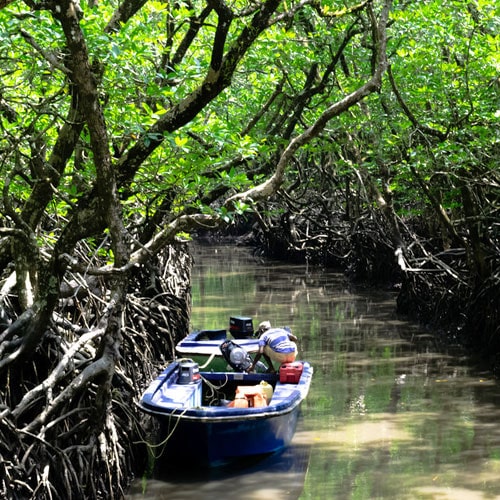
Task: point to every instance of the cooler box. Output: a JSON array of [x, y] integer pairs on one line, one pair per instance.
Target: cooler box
[[240, 327], [290, 372], [253, 394]]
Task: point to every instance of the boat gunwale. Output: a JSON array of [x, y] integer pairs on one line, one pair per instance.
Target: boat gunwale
[[237, 414], [190, 343], [207, 348]]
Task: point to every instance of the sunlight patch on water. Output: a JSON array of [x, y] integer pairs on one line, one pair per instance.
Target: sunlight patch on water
[[436, 493], [376, 430]]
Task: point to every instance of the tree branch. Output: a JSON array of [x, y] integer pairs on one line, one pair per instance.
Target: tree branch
[[57, 373], [225, 17], [271, 185], [407, 111], [51, 58], [184, 111], [124, 12]]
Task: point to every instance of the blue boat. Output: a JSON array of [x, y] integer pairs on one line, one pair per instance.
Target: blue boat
[[202, 346], [204, 420]]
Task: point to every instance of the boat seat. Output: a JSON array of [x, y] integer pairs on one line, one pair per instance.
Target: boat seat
[[180, 395]]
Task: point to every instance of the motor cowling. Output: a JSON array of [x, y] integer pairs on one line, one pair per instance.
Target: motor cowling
[[236, 356]]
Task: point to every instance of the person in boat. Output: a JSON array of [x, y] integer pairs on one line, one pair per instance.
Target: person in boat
[[275, 344]]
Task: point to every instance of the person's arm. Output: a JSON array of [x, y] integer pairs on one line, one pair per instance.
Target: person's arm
[[256, 360], [269, 363]]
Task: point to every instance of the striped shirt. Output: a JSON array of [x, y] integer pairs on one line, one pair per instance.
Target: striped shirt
[[278, 340]]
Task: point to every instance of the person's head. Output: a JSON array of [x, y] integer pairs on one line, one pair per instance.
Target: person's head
[[264, 326]]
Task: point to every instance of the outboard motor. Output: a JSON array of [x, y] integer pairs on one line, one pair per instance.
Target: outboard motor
[[241, 327], [236, 356]]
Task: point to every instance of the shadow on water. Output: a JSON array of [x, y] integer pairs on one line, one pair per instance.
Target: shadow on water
[[277, 476]]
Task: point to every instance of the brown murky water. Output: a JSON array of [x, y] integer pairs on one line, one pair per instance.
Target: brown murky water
[[389, 414]]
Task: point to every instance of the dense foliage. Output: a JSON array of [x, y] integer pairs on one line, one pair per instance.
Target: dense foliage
[[128, 124], [405, 188]]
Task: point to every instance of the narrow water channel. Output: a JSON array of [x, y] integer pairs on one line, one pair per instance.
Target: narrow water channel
[[390, 415]]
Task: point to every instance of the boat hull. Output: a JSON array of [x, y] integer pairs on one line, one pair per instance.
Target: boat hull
[[214, 444]]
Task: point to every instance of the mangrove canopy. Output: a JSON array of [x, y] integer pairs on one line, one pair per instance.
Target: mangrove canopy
[[361, 134]]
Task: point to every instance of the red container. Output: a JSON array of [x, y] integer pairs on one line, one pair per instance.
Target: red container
[[290, 372]]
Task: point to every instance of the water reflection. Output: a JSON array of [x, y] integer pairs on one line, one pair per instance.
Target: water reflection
[[279, 476], [389, 414]]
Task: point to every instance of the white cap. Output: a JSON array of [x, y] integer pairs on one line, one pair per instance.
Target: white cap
[[265, 325]]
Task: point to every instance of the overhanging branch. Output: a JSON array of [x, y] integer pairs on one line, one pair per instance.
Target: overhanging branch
[[271, 185]]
